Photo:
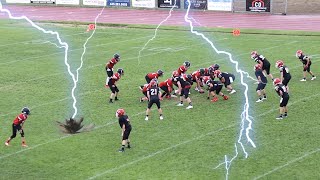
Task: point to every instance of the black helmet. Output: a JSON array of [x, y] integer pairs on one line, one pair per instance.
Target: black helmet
[[160, 72], [202, 71], [116, 56], [216, 66], [210, 70], [189, 76], [25, 110], [120, 71], [187, 64]]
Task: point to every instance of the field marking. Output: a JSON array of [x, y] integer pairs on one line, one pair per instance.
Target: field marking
[[158, 152], [288, 163], [168, 148]]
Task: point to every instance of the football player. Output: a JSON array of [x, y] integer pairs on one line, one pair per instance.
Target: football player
[[226, 78], [109, 67], [306, 62], [215, 67], [154, 96], [184, 83], [265, 64], [196, 77], [151, 76], [144, 89], [167, 87], [183, 69], [17, 125], [285, 74], [283, 94], [262, 82], [126, 128], [112, 85], [214, 88]]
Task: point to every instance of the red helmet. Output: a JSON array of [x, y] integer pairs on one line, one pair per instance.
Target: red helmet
[[279, 63], [257, 67], [120, 112], [276, 81], [175, 74], [299, 53], [217, 73], [254, 54], [153, 82]]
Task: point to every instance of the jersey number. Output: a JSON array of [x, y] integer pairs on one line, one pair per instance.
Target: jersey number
[[153, 92]]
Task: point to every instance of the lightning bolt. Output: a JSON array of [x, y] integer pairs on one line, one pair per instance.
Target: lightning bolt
[[62, 45], [245, 113], [155, 32]]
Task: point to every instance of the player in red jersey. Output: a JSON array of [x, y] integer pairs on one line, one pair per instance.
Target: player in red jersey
[[167, 87], [144, 90], [112, 85], [196, 77], [17, 125], [109, 67], [183, 69], [151, 76]]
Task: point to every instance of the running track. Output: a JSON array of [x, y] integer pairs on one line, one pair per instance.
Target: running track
[[154, 17]]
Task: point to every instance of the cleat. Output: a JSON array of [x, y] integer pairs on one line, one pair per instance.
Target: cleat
[[279, 118], [189, 107], [147, 118], [128, 146], [285, 116], [313, 78], [303, 80], [215, 99], [161, 117], [121, 150], [264, 98], [259, 100], [6, 143], [232, 91], [180, 104], [24, 145], [196, 89], [141, 100]]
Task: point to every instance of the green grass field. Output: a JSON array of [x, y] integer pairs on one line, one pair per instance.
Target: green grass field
[[188, 144]]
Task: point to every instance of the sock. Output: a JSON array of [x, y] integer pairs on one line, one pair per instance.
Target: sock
[[285, 114], [128, 145], [160, 114], [312, 75], [181, 102], [280, 115], [264, 96], [122, 147], [116, 98], [190, 104], [147, 115], [110, 100], [260, 97]]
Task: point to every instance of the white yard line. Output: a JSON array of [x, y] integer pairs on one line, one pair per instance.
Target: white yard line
[[288, 163]]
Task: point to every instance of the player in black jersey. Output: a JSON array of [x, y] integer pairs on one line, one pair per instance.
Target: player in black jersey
[[285, 74], [125, 125], [184, 83], [306, 62], [282, 92], [262, 80], [265, 64], [225, 78], [154, 96]]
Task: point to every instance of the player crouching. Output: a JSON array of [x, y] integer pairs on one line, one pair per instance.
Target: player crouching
[[167, 87], [214, 88], [282, 92], [155, 75], [226, 78], [184, 84]]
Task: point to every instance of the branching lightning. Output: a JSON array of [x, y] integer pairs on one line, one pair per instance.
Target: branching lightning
[[245, 113], [155, 32], [62, 45]]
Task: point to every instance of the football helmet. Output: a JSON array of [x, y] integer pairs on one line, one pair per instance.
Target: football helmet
[[279, 63], [116, 56], [299, 53], [120, 112], [202, 71], [153, 82], [25, 110], [210, 70], [276, 81], [254, 54], [175, 74], [160, 72], [187, 64], [257, 67], [215, 66], [189, 76], [120, 71]]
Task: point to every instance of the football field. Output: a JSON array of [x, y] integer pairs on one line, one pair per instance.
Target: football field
[[187, 144]]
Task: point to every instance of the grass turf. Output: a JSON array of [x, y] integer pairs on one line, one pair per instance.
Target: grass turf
[[187, 144]]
